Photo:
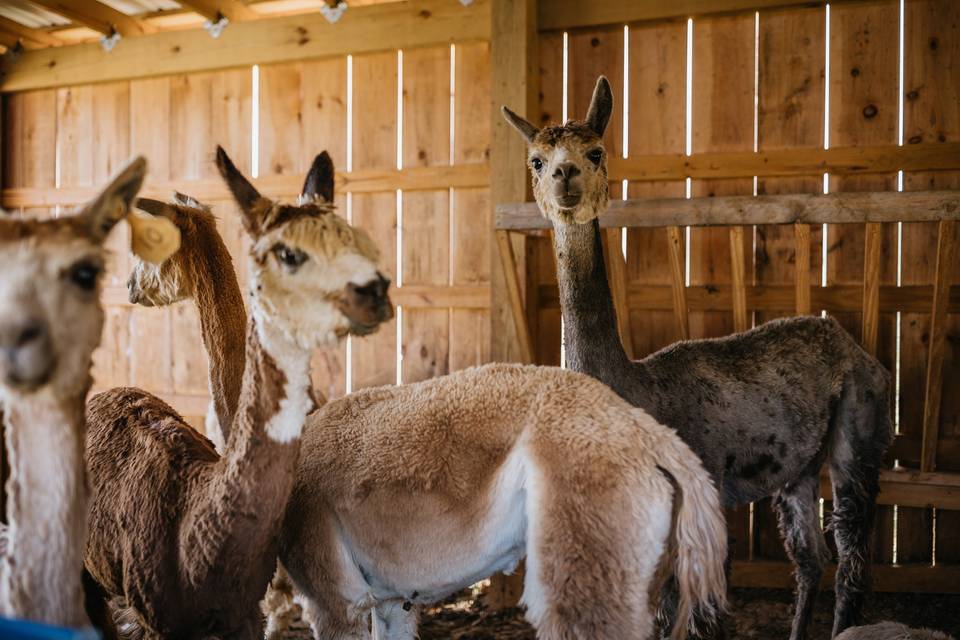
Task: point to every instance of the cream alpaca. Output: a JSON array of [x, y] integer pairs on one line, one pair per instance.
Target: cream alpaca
[[50, 323], [188, 539], [401, 480]]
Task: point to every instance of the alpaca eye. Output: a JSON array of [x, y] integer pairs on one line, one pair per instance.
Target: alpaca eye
[[290, 258], [84, 275], [595, 156], [537, 164]]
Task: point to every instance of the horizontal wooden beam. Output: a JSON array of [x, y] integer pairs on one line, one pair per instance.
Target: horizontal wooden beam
[[98, 16], [410, 296], [573, 14], [915, 578], [380, 27], [30, 37], [719, 297], [232, 10], [286, 186], [882, 206], [788, 162]]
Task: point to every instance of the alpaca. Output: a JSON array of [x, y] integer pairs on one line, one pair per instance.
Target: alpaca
[[891, 631], [188, 539], [350, 451], [763, 409], [50, 323]]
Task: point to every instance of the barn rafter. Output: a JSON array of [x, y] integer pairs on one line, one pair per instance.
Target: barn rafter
[[99, 17]]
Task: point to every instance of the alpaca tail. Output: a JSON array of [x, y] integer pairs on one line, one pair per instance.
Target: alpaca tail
[[699, 539]]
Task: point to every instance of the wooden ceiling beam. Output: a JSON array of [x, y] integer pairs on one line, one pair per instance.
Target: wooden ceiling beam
[[232, 10], [98, 16], [29, 35]]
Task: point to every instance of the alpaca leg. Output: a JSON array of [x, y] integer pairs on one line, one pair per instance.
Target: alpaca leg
[[278, 605], [863, 432], [796, 507], [592, 562], [330, 625]]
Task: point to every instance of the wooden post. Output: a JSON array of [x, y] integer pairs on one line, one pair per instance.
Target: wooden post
[[678, 282], [738, 280], [801, 235], [871, 288], [617, 275], [946, 253], [514, 82]]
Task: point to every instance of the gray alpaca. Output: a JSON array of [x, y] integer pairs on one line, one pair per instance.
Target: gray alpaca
[[764, 409]]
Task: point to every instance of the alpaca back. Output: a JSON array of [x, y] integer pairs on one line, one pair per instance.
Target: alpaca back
[[891, 631]]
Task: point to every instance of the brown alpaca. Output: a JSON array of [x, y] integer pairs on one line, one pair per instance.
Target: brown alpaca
[[401, 481], [50, 323], [763, 409], [185, 537]]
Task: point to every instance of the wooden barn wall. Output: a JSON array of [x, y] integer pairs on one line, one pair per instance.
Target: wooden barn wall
[[432, 101], [786, 78]]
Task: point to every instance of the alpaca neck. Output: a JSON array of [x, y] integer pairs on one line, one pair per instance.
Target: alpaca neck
[[42, 562], [589, 321], [243, 506], [223, 327]]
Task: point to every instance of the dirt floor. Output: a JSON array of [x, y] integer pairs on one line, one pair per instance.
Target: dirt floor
[[755, 613]]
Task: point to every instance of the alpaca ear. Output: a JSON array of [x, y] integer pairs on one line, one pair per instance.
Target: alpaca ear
[[113, 203], [249, 199], [189, 201], [601, 106], [527, 130], [320, 180]]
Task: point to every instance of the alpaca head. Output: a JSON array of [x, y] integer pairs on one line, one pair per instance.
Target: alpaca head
[[50, 312], [568, 162], [313, 277], [174, 279]]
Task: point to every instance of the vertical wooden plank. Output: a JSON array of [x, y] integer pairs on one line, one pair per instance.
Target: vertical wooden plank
[[722, 120], [470, 263], [303, 111], [545, 323], [29, 135], [681, 315], [656, 104], [741, 321], [514, 82], [931, 115], [863, 111], [426, 214], [723, 98], [801, 276], [508, 262], [617, 275], [375, 84]]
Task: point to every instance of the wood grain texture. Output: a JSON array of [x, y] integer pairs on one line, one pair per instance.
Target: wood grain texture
[[366, 29], [425, 333], [375, 87], [931, 115], [472, 212], [656, 104]]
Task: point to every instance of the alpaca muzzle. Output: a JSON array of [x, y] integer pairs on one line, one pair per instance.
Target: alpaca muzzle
[[366, 306], [27, 358]]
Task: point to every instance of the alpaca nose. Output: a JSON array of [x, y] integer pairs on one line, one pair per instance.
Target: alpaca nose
[[26, 352], [368, 304], [566, 171]]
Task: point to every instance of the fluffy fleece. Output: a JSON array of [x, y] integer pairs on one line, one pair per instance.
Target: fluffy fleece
[[406, 494], [891, 631]]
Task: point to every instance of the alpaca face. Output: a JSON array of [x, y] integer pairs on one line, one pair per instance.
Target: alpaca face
[[569, 169], [568, 163], [313, 277], [50, 312]]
